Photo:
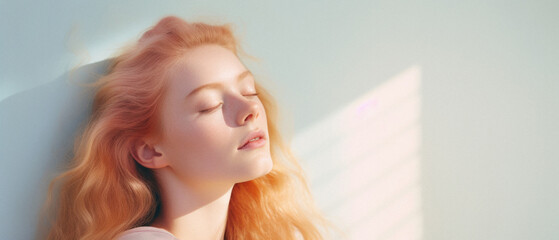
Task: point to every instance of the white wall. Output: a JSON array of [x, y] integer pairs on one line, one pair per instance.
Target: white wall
[[488, 69]]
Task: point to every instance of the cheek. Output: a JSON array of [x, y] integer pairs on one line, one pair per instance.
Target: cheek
[[264, 116], [199, 145]]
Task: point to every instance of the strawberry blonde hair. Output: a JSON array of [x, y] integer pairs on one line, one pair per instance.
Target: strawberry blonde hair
[[105, 191]]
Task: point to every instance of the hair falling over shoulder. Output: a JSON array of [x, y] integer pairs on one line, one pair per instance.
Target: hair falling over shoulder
[[105, 191]]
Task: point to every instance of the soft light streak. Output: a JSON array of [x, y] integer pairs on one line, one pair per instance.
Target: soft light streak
[[363, 161]]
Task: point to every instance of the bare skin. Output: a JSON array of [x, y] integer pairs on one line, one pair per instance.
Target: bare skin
[[198, 160]]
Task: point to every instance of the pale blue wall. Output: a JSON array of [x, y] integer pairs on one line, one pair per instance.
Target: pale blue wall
[[489, 92]]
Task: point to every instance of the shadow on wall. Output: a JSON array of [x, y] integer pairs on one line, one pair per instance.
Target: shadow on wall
[[37, 132]]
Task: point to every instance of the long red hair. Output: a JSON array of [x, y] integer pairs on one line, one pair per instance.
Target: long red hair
[[105, 191]]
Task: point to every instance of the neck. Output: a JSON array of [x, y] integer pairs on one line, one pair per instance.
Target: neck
[[192, 211]]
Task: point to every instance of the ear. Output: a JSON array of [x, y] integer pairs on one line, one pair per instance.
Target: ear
[[149, 155]]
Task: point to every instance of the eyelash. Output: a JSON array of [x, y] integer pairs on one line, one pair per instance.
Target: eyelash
[[213, 108], [252, 94]]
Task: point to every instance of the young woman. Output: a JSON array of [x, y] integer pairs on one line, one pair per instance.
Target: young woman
[[182, 144]]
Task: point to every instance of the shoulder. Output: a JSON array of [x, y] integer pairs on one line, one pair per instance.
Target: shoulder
[[146, 233]]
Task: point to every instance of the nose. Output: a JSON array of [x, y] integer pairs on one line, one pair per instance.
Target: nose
[[249, 111]]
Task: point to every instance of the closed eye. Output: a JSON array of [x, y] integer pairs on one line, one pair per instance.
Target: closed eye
[[211, 109], [252, 94]]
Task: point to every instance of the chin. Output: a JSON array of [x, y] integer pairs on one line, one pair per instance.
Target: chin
[[268, 164], [259, 169]]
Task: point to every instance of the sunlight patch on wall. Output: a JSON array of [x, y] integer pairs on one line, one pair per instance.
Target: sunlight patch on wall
[[6, 89], [363, 162]]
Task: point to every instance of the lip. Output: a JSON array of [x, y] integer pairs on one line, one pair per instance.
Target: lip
[[258, 143]]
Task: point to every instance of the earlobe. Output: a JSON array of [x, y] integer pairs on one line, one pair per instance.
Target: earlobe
[[149, 156]]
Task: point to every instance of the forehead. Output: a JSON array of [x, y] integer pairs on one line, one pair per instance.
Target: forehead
[[202, 65]]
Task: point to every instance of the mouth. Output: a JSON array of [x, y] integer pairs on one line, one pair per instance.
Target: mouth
[[255, 139]]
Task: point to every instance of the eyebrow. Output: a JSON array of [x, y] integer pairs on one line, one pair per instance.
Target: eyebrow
[[240, 77]]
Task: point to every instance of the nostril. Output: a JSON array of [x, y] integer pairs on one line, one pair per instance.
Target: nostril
[[254, 116], [251, 112], [248, 117]]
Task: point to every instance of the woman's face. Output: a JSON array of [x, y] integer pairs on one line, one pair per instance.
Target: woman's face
[[208, 113]]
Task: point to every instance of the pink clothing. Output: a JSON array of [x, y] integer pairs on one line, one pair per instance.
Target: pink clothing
[[146, 233]]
